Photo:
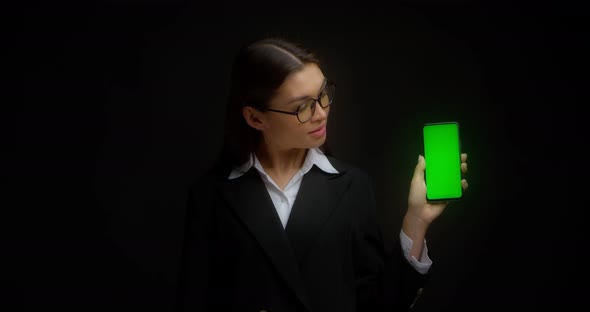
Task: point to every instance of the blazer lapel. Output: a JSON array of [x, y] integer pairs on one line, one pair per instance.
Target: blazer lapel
[[320, 193], [250, 200]]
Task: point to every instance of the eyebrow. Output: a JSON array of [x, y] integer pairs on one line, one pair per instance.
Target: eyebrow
[[304, 97]]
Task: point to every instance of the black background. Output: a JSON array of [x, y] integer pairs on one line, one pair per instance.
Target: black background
[[120, 105]]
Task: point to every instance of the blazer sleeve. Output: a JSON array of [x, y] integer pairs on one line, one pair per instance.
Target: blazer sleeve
[[194, 268], [385, 280]]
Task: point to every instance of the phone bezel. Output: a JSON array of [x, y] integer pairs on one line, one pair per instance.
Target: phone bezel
[[429, 124]]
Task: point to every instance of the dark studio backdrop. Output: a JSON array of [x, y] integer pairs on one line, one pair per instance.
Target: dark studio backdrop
[[123, 107]]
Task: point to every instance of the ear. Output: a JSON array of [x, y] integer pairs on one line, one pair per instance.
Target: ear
[[253, 117]]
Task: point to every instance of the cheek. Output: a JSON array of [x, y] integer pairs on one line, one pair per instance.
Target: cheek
[[287, 128]]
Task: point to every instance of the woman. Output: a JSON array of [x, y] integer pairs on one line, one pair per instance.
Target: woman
[[279, 224]]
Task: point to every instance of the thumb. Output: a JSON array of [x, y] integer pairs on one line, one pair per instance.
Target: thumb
[[420, 166]]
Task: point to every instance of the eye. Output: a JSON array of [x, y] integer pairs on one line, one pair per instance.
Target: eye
[[305, 104]]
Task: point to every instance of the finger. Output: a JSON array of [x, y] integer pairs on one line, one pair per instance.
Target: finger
[[464, 184], [463, 157], [464, 167], [420, 166]]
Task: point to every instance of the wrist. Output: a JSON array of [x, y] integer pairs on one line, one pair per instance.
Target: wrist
[[414, 227]]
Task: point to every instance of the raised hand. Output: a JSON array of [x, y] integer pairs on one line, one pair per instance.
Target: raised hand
[[418, 207]]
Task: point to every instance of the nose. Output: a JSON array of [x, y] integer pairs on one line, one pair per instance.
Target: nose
[[320, 112]]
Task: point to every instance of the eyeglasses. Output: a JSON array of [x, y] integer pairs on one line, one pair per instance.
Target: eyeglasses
[[307, 108]]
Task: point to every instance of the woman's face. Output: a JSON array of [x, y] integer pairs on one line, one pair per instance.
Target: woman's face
[[283, 131]]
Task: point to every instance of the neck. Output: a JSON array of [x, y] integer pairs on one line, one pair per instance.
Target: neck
[[280, 161]]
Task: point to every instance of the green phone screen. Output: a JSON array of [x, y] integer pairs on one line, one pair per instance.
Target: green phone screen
[[442, 153]]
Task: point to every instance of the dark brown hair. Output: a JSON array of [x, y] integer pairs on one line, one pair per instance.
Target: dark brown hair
[[259, 69]]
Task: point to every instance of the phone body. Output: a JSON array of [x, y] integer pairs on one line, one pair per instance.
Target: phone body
[[442, 153]]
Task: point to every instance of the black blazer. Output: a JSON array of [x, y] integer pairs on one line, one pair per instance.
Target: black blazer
[[331, 256]]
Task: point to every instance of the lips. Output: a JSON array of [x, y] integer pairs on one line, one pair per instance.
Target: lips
[[318, 128]]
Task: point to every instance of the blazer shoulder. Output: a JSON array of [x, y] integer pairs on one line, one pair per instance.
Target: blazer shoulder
[[208, 178]]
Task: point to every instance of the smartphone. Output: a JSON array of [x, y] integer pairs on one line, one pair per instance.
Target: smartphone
[[442, 153]]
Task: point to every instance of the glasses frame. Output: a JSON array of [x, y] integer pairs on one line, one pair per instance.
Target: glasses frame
[[313, 105]]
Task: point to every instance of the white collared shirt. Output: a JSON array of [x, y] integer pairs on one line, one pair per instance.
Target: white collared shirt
[[283, 199]]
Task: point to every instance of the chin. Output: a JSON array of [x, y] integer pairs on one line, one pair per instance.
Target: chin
[[317, 143]]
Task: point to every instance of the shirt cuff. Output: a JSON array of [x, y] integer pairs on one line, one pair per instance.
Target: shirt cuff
[[422, 265]]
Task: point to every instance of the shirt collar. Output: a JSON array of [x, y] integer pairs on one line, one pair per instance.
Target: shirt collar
[[314, 156]]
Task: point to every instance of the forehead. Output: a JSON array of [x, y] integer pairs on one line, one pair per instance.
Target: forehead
[[306, 82]]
